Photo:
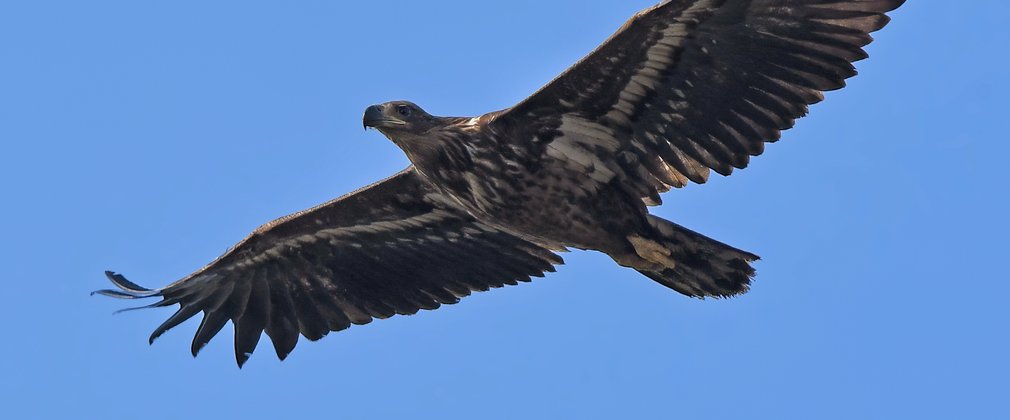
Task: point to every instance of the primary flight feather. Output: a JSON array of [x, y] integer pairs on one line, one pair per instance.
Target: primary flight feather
[[683, 88]]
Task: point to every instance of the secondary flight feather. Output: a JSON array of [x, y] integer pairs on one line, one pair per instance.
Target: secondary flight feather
[[683, 88]]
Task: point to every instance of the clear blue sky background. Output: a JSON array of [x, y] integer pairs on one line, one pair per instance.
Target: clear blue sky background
[[148, 137]]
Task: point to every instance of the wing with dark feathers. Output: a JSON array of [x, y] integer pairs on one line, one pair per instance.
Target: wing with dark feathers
[[394, 247], [690, 86]]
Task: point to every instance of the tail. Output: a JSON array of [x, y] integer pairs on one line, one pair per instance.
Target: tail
[[689, 262]]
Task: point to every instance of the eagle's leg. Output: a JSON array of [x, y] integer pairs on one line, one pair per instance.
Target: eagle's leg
[[641, 253], [652, 251]]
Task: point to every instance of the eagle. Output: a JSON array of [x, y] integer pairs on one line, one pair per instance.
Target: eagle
[[682, 89]]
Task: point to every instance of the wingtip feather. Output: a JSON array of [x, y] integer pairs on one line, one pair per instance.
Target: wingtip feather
[[127, 289]]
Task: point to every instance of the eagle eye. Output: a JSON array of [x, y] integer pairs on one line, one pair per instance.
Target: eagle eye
[[403, 110]]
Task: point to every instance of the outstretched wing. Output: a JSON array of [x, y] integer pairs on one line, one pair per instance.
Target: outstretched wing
[[693, 85], [394, 247]]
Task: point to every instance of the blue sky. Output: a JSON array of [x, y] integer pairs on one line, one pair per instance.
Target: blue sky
[[148, 137]]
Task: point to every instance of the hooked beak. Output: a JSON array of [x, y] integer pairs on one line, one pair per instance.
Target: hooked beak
[[375, 118]]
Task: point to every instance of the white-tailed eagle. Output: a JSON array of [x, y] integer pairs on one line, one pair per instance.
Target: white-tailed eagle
[[684, 88]]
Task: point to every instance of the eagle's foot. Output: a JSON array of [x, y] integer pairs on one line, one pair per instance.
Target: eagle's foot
[[653, 252]]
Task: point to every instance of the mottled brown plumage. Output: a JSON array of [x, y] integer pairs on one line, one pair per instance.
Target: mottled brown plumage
[[684, 88]]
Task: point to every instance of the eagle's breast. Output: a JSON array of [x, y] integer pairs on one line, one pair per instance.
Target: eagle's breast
[[470, 166], [546, 196]]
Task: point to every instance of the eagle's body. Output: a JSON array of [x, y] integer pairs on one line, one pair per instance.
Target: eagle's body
[[530, 194], [684, 88]]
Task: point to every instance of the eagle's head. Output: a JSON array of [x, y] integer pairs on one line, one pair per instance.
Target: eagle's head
[[419, 134], [399, 118]]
